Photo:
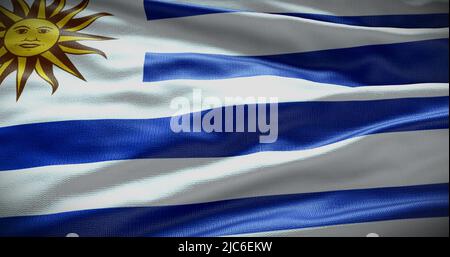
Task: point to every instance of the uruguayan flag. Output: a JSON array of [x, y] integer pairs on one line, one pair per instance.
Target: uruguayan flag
[[224, 118]]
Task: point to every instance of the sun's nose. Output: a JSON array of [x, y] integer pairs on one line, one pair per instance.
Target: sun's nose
[[31, 39]]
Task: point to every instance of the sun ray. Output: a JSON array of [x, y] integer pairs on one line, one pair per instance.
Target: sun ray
[[79, 49], [41, 13], [45, 70], [81, 23], [75, 36], [38, 9], [4, 57], [6, 68], [63, 62], [3, 51], [25, 67], [2, 34], [22, 63], [21, 7], [56, 7], [11, 17], [64, 17], [2, 25]]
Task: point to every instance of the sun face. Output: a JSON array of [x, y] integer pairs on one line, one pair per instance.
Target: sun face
[[31, 37], [35, 38]]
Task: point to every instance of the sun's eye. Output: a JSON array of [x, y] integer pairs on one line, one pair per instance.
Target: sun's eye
[[43, 31], [22, 31]]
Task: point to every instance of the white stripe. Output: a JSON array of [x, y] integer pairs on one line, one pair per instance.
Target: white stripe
[[263, 34], [131, 99], [339, 7], [427, 227], [384, 160]]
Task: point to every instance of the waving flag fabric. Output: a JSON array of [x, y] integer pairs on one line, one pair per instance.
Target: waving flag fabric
[[87, 145]]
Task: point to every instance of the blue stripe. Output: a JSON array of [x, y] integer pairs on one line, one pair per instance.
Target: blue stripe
[[302, 125], [247, 215], [391, 64], [156, 10]]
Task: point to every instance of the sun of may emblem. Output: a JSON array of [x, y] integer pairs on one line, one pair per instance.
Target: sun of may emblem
[[37, 37]]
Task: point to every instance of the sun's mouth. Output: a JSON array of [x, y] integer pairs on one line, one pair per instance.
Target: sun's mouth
[[29, 45]]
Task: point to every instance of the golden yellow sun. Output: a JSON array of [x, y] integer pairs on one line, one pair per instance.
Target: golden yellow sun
[[37, 37]]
